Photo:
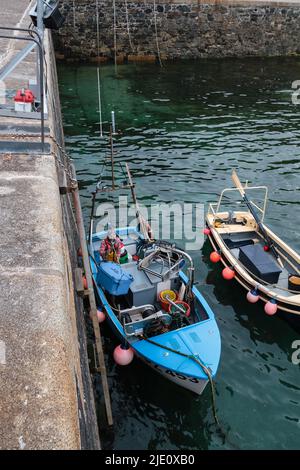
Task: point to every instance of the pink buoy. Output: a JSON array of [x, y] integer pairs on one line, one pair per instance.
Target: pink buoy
[[253, 296], [214, 257], [206, 231], [228, 274], [100, 316], [123, 356], [271, 307]]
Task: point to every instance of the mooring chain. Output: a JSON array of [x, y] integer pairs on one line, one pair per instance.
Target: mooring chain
[[67, 168]]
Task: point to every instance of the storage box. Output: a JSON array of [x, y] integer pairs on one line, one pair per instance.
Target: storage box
[[113, 278], [24, 100], [142, 291], [260, 263], [23, 107]]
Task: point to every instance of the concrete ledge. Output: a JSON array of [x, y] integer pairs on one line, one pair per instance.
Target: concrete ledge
[[46, 397], [31, 217], [37, 386]]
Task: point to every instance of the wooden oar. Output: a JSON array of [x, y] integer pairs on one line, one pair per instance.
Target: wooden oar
[[239, 186], [139, 215]]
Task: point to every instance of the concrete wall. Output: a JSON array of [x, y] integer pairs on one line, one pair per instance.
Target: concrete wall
[[185, 29], [46, 395]]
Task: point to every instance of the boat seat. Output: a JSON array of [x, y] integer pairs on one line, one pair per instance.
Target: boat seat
[[237, 243], [259, 262]]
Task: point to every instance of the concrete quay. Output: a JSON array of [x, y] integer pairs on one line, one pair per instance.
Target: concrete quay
[[46, 397]]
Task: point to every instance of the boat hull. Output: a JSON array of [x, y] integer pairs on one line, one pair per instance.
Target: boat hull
[[170, 353], [193, 384], [284, 306]]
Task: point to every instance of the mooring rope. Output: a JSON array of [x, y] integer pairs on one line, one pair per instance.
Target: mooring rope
[[98, 71], [74, 15], [128, 27], [115, 34], [201, 364], [212, 385], [156, 34]]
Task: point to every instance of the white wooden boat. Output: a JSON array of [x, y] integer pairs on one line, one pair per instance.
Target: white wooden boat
[[260, 261]]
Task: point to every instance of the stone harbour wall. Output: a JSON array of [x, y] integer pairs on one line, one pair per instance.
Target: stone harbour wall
[[179, 29]]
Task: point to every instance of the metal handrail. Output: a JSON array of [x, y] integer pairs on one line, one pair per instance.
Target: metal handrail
[[40, 48], [25, 30], [262, 210]]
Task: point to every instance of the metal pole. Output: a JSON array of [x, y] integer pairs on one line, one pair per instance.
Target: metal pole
[[113, 122], [40, 28], [97, 332], [112, 158]]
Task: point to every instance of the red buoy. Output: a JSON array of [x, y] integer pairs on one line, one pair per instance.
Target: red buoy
[[85, 285], [266, 248], [228, 274], [79, 252], [206, 231], [123, 356], [214, 257]]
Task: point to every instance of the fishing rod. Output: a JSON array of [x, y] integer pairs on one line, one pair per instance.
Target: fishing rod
[[239, 186]]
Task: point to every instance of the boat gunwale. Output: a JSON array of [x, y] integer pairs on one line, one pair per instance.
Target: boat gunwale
[[217, 242]]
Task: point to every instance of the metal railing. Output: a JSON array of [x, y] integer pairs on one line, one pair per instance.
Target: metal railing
[[39, 45]]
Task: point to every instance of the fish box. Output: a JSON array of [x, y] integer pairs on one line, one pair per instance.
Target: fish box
[[260, 263], [113, 278]]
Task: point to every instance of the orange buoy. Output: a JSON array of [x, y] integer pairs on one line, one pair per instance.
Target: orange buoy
[[85, 285], [214, 257], [228, 273]]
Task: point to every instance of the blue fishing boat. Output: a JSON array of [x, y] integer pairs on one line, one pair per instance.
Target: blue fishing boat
[[152, 305]]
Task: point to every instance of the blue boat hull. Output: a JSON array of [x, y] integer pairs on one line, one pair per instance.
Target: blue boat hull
[[171, 355]]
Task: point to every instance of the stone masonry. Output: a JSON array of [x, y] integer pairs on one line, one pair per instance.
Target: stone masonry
[[186, 29]]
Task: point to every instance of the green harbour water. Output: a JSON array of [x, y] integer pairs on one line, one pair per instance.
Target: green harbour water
[[183, 129]]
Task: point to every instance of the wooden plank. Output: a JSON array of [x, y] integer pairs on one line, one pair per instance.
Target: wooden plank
[[92, 301], [78, 275]]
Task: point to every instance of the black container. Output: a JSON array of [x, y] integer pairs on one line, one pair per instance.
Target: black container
[[53, 19], [260, 263]]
